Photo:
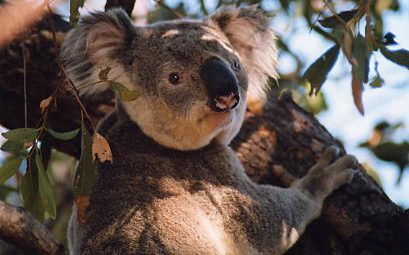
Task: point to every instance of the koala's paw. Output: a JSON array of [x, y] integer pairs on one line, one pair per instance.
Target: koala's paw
[[328, 175]]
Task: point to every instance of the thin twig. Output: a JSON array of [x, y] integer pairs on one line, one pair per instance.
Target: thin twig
[[315, 20], [81, 87], [203, 8], [25, 80], [76, 93], [77, 97], [43, 120], [332, 10]]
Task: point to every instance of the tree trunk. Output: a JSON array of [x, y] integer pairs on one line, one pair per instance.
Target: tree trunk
[[283, 141]]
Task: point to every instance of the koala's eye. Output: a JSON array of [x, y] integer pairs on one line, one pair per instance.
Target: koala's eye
[[236, 65], [174, 78]]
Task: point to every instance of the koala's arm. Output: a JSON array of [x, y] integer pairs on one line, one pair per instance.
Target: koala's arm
[[280, 215]]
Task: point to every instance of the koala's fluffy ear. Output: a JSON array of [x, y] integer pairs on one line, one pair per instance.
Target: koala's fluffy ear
[[100, 40], [249, 33]]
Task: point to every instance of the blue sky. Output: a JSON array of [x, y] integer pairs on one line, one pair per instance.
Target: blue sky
[[390, 102]]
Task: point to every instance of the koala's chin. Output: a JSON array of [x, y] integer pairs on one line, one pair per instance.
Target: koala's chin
[[190, 132]]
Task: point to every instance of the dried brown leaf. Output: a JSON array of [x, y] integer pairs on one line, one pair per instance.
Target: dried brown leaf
[[100, 148], [45, 103], [103, 74], [357, 92], [28, 144], [82, 203]]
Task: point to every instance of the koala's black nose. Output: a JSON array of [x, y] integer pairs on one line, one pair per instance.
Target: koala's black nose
[[221, 85]]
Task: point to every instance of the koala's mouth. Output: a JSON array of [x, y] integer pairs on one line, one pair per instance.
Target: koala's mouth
[[218, 119]]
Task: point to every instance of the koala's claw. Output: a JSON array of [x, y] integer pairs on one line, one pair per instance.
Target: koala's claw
[[328, 175], [325, 159], [347, 161], [331, 150]]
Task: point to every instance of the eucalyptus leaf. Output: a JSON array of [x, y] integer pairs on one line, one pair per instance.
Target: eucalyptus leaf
[[74, 11], [64, 136], [5, 191], [45, 189], [316, 104], [377, 82], [123, 92], [334, 21], [400, 57], [9, 168], [362, 54], [30, 190], [21, 134], [12, 146], [85, 172], [317, 72], [393, 152]]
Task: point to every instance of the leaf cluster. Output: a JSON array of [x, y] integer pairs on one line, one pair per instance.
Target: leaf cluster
[[357, 48]]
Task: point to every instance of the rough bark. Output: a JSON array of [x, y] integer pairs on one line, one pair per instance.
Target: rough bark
[[357, 219], [21, 229]]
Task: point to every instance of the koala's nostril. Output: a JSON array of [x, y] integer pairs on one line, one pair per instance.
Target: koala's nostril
[[221, 84], [228, 102]]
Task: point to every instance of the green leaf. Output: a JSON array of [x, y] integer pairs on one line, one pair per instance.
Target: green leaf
[[85, 173], [400, 57], [22, 135], [317, 72], [377, 82], [123, 92], [333, 21], [12, 146], [315, 104], [45, 189], [5, 191], [9, 168], [30, 190], [394, 152], [74, 12], [64, 136], [362, 54]]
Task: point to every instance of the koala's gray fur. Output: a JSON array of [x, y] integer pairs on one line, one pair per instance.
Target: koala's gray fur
[[174, 186]]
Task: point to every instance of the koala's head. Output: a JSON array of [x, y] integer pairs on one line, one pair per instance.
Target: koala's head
[[193, 76]]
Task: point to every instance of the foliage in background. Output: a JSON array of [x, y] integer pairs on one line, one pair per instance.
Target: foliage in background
[[356, 32]]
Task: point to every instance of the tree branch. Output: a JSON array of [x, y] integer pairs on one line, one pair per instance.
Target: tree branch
[[21, 229], [357, 219]]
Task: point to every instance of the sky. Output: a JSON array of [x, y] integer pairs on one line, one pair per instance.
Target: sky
[[391, 102]]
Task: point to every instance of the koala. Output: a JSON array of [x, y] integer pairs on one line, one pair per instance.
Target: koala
[[174, 185]]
